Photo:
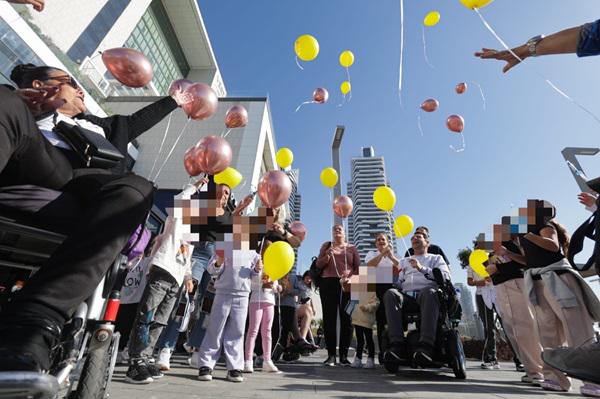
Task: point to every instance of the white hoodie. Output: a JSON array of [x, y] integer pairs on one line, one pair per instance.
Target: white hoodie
[[260, 294], [172, 252]]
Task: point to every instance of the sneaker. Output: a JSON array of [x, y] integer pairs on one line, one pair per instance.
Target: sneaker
[[193, 360], [248, 366], [537, 381], [423, 356], [487, 365], [138, 373], [269, 367], [520, 368], [496, 365], [258, 362], [552, 385], [330, 361], [575, 362], [188, 348], [591, 390], [164, 359], [344, 362], [154, 371], [205, 374], [356, 363], [235, 376], [277, 352], [370, 363]]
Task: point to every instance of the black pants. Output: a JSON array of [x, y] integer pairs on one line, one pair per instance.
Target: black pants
[[487, 318], [287, 325], [380, 290], [334, 301], [364, 334], [109, 208]]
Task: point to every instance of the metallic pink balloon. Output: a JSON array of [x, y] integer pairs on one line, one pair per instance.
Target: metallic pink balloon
[[342, 206], [189, 162], [236, 116], [430, 105], [274, 188], [179, 84], [461, 88], [212, 154], [204, 102], [320, 95], [128, 66], [455, 123], [298, 229]]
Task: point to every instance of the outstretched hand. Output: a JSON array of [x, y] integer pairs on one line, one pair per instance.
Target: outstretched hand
[[41, 100], [511, 60]]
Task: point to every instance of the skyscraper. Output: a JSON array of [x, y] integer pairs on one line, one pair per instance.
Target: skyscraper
[[470, 324], [294, 204], [368, 173]]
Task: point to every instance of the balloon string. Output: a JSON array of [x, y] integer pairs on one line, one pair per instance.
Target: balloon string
[[298, 63], [161, 144], [304, 103], [551, 84], [401, 50], [227, 133], [172, 149], [419, 125], [348, 74], [343, 102], [425, 50], [461, 149], [481, 93]]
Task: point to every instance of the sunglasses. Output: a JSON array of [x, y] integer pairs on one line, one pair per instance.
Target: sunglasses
[[65, 79]]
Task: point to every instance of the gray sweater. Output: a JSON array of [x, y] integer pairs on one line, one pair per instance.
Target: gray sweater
[[234, 278]]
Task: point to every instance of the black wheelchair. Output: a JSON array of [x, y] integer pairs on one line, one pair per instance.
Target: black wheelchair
[[448, 349]]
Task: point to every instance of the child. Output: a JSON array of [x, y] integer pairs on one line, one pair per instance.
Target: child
[[234, 264], [363, 319], [261, 312], [169, 268]]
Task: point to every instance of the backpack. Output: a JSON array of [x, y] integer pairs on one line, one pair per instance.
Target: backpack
[[316, 274]]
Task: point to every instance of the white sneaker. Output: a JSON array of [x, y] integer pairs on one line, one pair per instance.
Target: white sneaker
[[370, 363], [487, 366], [269, 367], [356, 363], [532, 380], [248, 366], [496, 365], [188, 349], [193, 360], [164, 359]]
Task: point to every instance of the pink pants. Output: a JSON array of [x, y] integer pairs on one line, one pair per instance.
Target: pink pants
[[260, 314]]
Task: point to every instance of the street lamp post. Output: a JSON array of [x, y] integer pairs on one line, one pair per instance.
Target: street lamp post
[[335, 158]]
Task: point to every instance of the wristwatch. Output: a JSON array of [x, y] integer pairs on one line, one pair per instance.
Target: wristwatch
[[532, 44]]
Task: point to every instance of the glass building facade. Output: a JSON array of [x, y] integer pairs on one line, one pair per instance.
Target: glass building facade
[[13, 51]]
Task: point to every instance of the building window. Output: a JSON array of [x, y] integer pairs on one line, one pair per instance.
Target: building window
[[13, 51], [155, 37]]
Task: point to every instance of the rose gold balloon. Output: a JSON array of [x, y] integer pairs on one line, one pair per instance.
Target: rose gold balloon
[[456, 123], [128, 66], [298, 229], [320, 95], [236, 116], [430, 105], [190, 164], [274, 188], [212, 154], [204, 102], [179, 84], [461, 88], [342, 206]]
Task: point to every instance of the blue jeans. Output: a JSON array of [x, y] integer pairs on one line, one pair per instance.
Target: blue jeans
[[197, 334], [203, 252]]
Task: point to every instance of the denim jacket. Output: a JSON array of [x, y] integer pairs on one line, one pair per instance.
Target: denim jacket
[[589, 39]]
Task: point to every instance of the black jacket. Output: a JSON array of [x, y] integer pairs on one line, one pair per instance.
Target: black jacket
[[120, 130]]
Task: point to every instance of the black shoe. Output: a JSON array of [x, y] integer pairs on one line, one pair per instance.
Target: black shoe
[[277, 352], [154, 371], [330, 361], [302, 345], [381, 358], [396, 353], [520, 368], [205, 374], [235, 376], [344, 361], [138, 373], [423, 356]]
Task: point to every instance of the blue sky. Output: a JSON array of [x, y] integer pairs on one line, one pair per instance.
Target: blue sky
[[513, 148]]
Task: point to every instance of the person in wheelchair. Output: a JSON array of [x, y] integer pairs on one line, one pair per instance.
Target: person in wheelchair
[[415, 291]]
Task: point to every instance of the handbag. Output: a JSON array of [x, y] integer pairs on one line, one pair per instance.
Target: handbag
[[94, 150]]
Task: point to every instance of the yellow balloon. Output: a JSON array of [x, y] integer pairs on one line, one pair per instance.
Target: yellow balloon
[[476, 260], [346, 59], [345, 87], [230, 177], [432, 18], [403, 225], [384, 198], [284, 157], [329, 177], [306, 47], [278, 259], [472, 4]]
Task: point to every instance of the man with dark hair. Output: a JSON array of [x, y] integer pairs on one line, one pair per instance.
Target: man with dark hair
[[433, 249]]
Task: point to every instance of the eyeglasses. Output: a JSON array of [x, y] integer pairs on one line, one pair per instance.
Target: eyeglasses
[[65, 79]]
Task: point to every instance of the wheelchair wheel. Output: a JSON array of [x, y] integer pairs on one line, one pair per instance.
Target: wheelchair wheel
[[457, 360]]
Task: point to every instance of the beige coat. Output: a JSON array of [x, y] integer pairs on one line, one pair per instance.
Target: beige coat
[[364, 313]]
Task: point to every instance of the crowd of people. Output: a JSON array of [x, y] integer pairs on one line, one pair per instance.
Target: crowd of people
[[232, 306]]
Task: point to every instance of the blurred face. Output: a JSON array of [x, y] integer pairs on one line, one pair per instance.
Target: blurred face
[[381, 242], [69, 91], [307, 280], [419, 242], [223, 192], [338, 233]]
